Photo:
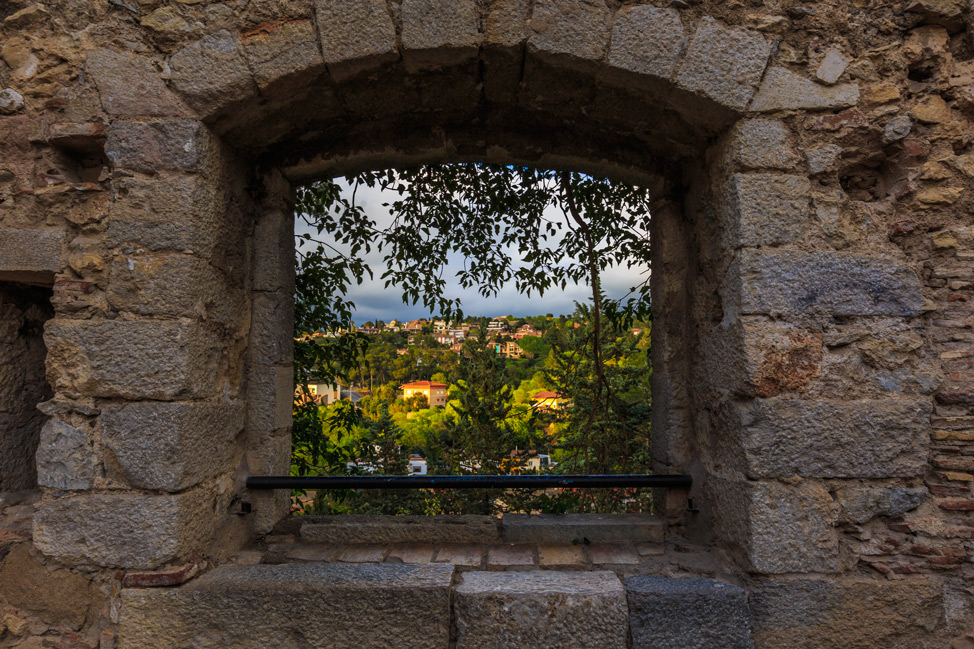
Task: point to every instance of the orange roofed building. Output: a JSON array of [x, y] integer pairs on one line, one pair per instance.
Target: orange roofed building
[[548, 400], [435, 393]]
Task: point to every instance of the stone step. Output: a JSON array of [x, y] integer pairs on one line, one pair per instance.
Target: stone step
[[294, 606]]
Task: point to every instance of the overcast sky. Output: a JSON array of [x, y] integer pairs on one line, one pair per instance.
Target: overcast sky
[[373, 301]]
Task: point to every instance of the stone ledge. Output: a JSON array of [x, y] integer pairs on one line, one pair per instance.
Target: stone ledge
[[30, 256], [687, 613], [553, 528], [401, 529], [294, 606]]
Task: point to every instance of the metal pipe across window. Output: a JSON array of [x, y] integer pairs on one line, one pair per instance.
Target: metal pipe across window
[[679, 481]]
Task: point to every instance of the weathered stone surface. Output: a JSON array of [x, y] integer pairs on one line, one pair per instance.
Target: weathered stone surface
[[574, 28], [540, 609], [356, 35], [157, 146], [170, 446], [505, 24], [539, 528], [779, 528], [132, 359], [724, 63], [354, 606], [270, 395], [687, 613], [849, 612], [832, 66], [859, 505], [211, 74], [30, 255], [129, 85], [762, 144], [765, 209], [438, 33], [783, 89], [646, 40], [282, 52], [169, 213], [124, 530], [822, 158], [784, 437], [65, 459], [56, 596], [841, 284], [401, 529], [11, 101], [272, 328], [274, 252], [170, 284]]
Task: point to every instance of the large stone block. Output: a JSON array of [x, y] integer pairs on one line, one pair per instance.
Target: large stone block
[[124, 530], [523, 610], [283, 52], [437, 33], [783, 89], [129, 85], [270, 397], [151, 147], [775, 527], [861, 504], [274, 252], [687, 613], [762, 144], [505, 24], [795, 283], [132, 359], [724, 64], [176, 213], [272, 328], [31, 256], [646, 40], [401, 529], [784, 437], [765, 209], [564, 528], [845, 613], [65, 458], [356, 35], [294, 606], [573, 28], [211, 74], [170, 446]]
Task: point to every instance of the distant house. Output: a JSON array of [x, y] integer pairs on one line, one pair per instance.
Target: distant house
[[435, 393], [497, 325], [548, 400], [508, 349], [527, 330], [417, 465]]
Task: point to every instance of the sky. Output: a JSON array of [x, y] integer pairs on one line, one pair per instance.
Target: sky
[[373, 301]]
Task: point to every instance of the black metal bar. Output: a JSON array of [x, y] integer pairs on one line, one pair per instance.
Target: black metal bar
[[468, 481]]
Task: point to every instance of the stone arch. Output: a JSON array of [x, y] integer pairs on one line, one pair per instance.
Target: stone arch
[[179, 326]]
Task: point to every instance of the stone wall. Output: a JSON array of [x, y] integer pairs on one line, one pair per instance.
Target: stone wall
[[811, 167]]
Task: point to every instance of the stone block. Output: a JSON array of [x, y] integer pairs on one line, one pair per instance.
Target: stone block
[[554, 528], [847, 612], [867, 438], [151, 147], [129, 85], [524, 610], [578, 29], [765, 209], [170, 446], [762, 144], [646, 40], [132, 359], [356, 36], [793, 283], [687, 613], [167, 213], [505, 24], [783, 89], [30, 256], [65, 459], [724, 64], [862, 504], [56, 596], [294, 606], [286, 52], [274, 252], [270, 397], [401, 529], [775, 527], [439, 33], [272, 328], [211, 74], [124, 530], [173, 285]]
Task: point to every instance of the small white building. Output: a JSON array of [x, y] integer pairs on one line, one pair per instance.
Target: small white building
[[417, 465]]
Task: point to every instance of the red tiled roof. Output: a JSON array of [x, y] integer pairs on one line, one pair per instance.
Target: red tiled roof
[[422, 384], [547, 394]]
